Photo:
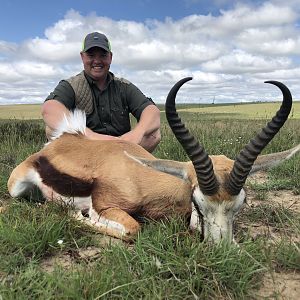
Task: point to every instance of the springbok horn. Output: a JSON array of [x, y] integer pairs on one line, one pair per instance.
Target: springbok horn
[[244, 161], [202, 163]]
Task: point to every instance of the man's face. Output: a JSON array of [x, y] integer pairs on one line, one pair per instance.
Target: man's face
[[96, 62]]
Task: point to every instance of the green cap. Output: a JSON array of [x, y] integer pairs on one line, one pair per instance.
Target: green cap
[[96, 39]]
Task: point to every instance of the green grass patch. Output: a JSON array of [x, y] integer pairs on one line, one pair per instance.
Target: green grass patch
[[166, 261], [21, 111], [31, 231], [244, 111], [264, 110], [276, 216]]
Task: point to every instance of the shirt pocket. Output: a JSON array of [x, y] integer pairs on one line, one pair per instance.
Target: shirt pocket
[[120, 119]]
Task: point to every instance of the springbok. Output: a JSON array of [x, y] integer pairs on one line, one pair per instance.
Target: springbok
[[119, 182]]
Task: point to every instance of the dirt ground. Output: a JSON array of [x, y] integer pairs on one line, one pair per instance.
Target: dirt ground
[[66, 260], [283, 285]]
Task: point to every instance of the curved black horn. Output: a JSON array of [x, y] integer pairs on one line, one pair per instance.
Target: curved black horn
[[244, 161], [201, 161]]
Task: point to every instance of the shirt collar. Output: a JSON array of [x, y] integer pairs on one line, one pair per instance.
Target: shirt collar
[[109, 79]]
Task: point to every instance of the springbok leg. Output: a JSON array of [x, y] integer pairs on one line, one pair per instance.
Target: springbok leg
[[114, 222]]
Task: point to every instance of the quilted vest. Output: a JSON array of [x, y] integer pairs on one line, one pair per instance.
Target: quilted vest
[[84, 99]]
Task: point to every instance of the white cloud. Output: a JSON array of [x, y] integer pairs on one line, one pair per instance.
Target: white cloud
[[266, 15], [270, 41], [238, 62], [229, 56]]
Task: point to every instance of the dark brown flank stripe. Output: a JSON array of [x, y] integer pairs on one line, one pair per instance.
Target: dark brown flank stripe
[[62, 183]]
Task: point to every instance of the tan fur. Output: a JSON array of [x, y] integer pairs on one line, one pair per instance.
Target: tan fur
[[222, 167], [119, 216], [124, 184], [20, 172], [119, 182]]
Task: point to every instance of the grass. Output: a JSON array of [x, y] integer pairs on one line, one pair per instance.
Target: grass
[[20, 111], [259, 110], [285, 176], [35, 233], [276, 216], [169, 262], [166, 261], [243, 111]]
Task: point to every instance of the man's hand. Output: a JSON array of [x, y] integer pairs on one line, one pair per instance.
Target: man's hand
[[149, 142], [98, 136], [147, 131], [134, 136]]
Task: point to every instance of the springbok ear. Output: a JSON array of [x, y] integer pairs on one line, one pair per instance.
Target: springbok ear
[[264, 162], [171, 167]]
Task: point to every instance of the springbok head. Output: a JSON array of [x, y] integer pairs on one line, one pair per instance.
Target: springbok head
[[218, 193]]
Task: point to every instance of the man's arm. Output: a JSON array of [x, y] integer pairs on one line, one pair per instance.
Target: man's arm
[[53, 112], [147, 131]]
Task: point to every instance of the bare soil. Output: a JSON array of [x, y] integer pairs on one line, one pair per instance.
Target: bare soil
[[281, 285], [67, 259]]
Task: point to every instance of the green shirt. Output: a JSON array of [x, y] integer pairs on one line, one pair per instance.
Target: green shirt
[[111, 107]]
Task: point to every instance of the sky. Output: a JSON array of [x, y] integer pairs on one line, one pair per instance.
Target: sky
[[229, 47]]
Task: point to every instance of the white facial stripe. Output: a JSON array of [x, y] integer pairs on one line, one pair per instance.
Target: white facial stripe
[[217, 215], [238, 201], [198, 197], [195, 223], [219, 223]]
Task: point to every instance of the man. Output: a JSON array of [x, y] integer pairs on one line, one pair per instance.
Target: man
[[106, 99]]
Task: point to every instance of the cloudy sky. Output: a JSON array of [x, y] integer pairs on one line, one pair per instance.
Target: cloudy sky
[[229, 47]]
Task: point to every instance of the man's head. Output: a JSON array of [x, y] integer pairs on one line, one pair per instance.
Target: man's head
[[96, 55], [96, 39]]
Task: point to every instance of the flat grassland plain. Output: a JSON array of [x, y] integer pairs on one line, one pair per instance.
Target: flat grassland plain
[[45, 254], [238, 111]]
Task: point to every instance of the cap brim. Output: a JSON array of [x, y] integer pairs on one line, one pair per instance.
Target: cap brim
[[95, 45]]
